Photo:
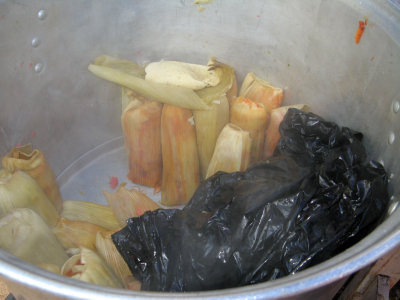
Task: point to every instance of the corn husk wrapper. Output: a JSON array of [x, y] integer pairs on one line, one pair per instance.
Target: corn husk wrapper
[[90, 267], [232, 93], [34, 163], [129, 203], [272, 135], [91, 212], [141, 124], [76, 234], [24, 234], [107, 250], [50, 267], [121, 65], [209, 124], [261, 91], [182, 74], [227, 85], [250, 116], [232, 151], [19, 190], [181, 171], [175, 95]]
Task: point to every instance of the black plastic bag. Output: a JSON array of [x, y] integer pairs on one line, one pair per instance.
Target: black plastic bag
[[276, 218]]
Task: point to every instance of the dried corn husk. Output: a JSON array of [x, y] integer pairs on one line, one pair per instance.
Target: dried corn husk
[[165, 93], [180, 174], [89, 267], [120, 64], [261, 91], [141, 124], [227, 85], [250, 116], [75, 234], [183, 74], [34, 163], [50, 267], [272, 135], [232, 151], [19, 190], [129, 203], [107, 250], [94, 213], [209, 124], [24, 234]]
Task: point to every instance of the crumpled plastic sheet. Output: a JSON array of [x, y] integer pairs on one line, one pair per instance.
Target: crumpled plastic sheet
[[311, 201]]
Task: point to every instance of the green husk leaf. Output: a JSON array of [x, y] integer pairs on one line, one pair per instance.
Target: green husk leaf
[[173, 95], [121, 65]]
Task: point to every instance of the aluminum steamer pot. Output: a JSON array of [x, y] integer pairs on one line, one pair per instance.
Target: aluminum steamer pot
[[48, 97]]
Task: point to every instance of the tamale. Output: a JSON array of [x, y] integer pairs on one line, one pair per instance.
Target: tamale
[[250, 116], [19, 190], [24, 234], [209, 124], [76, 234], [107, 250], [34, 163], [90, 267], [272, 135], [141, 123], [129, 203], [91, 212], [261, 91], [180, 173], [232, 151], [182, 74]]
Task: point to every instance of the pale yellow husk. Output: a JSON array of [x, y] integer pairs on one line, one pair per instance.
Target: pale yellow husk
[[90, 267], [227, 85], [182, 74], [33, 162], [91, 212], [129, 203], [209, 124], [24, 234], [232, 151], [107, 250], [120, 64], [165, 93], [75, 234], [19, 190]]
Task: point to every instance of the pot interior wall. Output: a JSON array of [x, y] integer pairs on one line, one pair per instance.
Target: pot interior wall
[[49, 98]]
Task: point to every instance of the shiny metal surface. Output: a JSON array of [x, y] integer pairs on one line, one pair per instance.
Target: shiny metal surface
[[49, 98]]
